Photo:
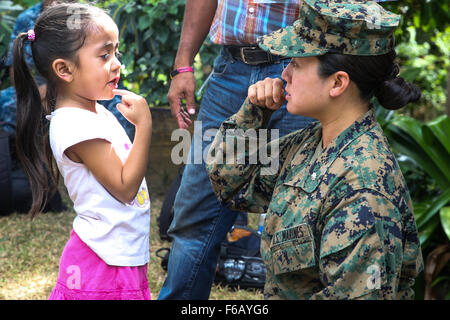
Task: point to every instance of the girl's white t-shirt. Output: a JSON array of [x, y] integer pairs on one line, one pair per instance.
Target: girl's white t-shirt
[[118, 233]]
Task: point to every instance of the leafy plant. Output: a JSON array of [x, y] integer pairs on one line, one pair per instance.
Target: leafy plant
[[426, 64], [26, 3], [424, 38], [426, 16], [428, 146]]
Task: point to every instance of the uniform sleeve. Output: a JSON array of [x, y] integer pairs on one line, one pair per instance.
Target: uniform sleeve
[[361, 249], [242, 166]]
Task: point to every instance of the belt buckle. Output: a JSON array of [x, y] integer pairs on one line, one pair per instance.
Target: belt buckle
[[243, 55]]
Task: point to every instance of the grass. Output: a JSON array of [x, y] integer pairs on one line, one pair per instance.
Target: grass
[[30, 252]]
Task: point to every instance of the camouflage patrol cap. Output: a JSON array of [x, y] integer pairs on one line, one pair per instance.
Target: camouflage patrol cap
[[354, 27]]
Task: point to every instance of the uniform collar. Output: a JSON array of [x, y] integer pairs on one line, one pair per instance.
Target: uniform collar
[[307, 172]]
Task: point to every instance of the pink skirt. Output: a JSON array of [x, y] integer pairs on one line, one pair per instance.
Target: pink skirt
[[84, 276]]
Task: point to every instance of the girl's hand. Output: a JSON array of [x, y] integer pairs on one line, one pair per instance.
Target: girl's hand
[[267, 93], [134, 108]]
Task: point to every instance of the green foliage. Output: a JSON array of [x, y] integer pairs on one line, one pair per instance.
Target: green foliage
[[427, 65], [423, 40], [426, 16], [8, 14], [26, 3], [9, 10], [426, 146], [149, 33], [423, 151]]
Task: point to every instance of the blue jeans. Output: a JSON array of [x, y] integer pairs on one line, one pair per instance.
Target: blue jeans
[[200, 222]]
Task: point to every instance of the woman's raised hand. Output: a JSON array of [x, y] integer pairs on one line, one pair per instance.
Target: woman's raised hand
[[267, 93]]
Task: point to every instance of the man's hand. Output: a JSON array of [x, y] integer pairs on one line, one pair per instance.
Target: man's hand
[[43, 91], [267, 93], [182, 87]]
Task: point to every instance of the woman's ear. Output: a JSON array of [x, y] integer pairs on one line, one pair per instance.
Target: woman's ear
[[63, 69], [340, 83]]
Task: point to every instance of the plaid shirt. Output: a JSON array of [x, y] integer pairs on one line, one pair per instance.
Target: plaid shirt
[[239, 22], [243, 21]]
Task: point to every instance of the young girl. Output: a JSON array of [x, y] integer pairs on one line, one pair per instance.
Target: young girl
[[339, 223], [74, 48]]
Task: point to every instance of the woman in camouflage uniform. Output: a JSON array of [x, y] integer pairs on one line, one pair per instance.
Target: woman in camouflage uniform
[[339, 222]]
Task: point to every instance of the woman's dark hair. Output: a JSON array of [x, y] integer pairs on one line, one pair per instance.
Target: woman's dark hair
[[374, 76], [60, 31]]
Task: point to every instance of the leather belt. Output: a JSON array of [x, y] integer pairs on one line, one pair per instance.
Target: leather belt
[[253, 55]]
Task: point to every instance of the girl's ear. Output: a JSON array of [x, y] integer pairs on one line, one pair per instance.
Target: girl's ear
[[63, 69], [340, 82]]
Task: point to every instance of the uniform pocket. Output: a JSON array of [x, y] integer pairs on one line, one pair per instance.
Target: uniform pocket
[[292, 249]]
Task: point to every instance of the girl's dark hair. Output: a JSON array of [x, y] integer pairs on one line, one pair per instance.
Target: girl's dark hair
[[374, 76], [60, 31]]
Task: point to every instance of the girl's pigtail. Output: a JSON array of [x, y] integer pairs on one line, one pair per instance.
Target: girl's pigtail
[[30, 127]]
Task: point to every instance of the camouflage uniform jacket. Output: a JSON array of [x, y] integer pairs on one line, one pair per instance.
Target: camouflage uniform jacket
[[338, 226]]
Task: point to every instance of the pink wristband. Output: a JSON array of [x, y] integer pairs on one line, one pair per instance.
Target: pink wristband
[[181, 70]]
